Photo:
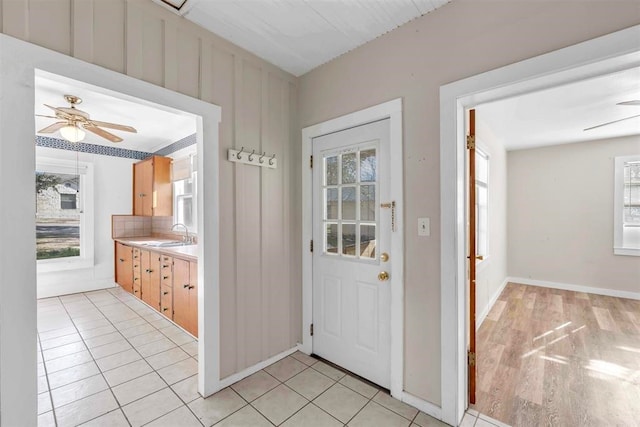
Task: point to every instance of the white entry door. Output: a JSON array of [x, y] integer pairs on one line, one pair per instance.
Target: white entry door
[[351, 235]]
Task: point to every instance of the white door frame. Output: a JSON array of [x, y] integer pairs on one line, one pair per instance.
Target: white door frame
[[19, 62], [393, 111], [603, 55]]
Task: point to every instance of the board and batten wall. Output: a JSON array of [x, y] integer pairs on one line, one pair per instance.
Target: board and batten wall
[[561, 215], [260, 269], [458, 40]]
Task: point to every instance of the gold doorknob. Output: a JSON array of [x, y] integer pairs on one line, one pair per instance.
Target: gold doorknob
[[384, 257], [383, 275]]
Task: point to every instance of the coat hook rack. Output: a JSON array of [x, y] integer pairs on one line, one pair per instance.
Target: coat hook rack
[[252, 158]]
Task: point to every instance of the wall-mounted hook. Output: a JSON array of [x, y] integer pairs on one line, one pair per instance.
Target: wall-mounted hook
[[251, 155], [262, 157], [271, 159], [240, 153]]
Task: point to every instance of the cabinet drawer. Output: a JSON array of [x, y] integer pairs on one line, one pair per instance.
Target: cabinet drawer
[[166, 270], [166, 301]]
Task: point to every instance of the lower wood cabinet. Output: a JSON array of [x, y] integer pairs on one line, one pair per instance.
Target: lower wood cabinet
[[168, 284], [185, 294], [124, 266]]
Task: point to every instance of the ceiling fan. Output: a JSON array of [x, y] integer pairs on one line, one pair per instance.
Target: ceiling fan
[[73, 121], [633, 102]]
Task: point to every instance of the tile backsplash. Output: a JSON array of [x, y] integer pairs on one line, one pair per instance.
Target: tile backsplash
[[130, 226], [143, 226]]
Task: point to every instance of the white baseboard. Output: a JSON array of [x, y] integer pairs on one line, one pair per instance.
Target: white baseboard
[[234, 378], [426, 407], [72, 287], [485, 312], [576, 288]]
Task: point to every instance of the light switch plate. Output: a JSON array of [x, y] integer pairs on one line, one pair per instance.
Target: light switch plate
[[424, 227]]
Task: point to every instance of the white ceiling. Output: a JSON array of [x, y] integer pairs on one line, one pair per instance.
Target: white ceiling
[[560, 115], [299, 35], [157, 127]]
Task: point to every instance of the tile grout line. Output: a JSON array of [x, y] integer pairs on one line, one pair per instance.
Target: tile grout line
[[101, 373], [153, 370], [46, 374]]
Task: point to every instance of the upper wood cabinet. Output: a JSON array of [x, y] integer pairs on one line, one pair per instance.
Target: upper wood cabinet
[[152, 190]]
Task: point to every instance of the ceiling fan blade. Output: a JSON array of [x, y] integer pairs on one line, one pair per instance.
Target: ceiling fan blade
[[52, 128], [610, 123], [48, 117], [102, 133], [62, 113], [634, 102], [113, 126]]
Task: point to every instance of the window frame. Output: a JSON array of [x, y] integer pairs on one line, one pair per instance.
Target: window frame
[[619, 227], [482, 152], [194, 201], [85, 202]]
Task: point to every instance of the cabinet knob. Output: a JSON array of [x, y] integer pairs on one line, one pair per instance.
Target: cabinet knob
[[165, 292], [135, 278], [121, 259], [191, 287], [135, 291], [185, 286], [165, 266], [165, 277], [165, 309]]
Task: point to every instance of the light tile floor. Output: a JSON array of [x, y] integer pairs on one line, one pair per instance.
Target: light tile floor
[[107, 359]]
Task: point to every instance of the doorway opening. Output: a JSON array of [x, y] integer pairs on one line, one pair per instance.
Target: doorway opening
[[608, 54], [18, 166]]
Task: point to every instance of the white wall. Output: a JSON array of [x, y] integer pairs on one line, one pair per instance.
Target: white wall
[[492, 272], [112, 195], [560, 222]]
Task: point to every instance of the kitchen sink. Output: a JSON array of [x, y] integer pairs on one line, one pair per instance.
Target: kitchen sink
[[163, 243]]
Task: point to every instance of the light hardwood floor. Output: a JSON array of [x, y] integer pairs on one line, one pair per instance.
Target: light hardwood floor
[[559, 358]]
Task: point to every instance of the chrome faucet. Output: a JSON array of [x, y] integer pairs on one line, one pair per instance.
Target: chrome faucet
[[186, 238]]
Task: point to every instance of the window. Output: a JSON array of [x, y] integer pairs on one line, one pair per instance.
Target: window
[[64, 231], [482, 203], [627, 206], [350, 208], [68, 201], [184, 192]]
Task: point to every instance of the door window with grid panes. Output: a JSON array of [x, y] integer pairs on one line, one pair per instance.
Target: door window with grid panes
[[350, 194]]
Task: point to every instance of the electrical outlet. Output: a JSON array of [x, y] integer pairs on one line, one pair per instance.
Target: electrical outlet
[[424, 227]]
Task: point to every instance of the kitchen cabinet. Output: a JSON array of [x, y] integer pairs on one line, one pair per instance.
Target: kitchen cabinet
[[124, 266], [152, 189], [150, 279], [167, 283], [185, 295]]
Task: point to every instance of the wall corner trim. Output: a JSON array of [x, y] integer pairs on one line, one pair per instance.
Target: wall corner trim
[[421, 404]]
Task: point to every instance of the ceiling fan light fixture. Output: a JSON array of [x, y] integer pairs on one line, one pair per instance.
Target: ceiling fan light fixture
[[72, 133]]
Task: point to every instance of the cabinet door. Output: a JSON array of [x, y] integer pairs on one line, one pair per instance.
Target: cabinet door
[[124, 266], [143, 188], [193, 299], [151, 278], [162, 200], [181, 292], [137, 273]]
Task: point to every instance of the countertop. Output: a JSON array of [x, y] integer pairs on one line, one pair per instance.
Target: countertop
[[189, 252]]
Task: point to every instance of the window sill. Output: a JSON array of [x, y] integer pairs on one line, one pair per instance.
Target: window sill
[[63, 264], [627, 251]]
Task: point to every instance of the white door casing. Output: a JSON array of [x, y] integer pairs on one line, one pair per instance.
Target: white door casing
[[351, 306]]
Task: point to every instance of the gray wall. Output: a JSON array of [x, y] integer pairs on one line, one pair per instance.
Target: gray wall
[[259, 266], [561, 215], [461, 39]]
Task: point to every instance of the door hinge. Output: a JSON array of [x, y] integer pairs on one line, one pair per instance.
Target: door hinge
[[471, 142], [311, 162], [311, 329], [311, 245], [471, 358]]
